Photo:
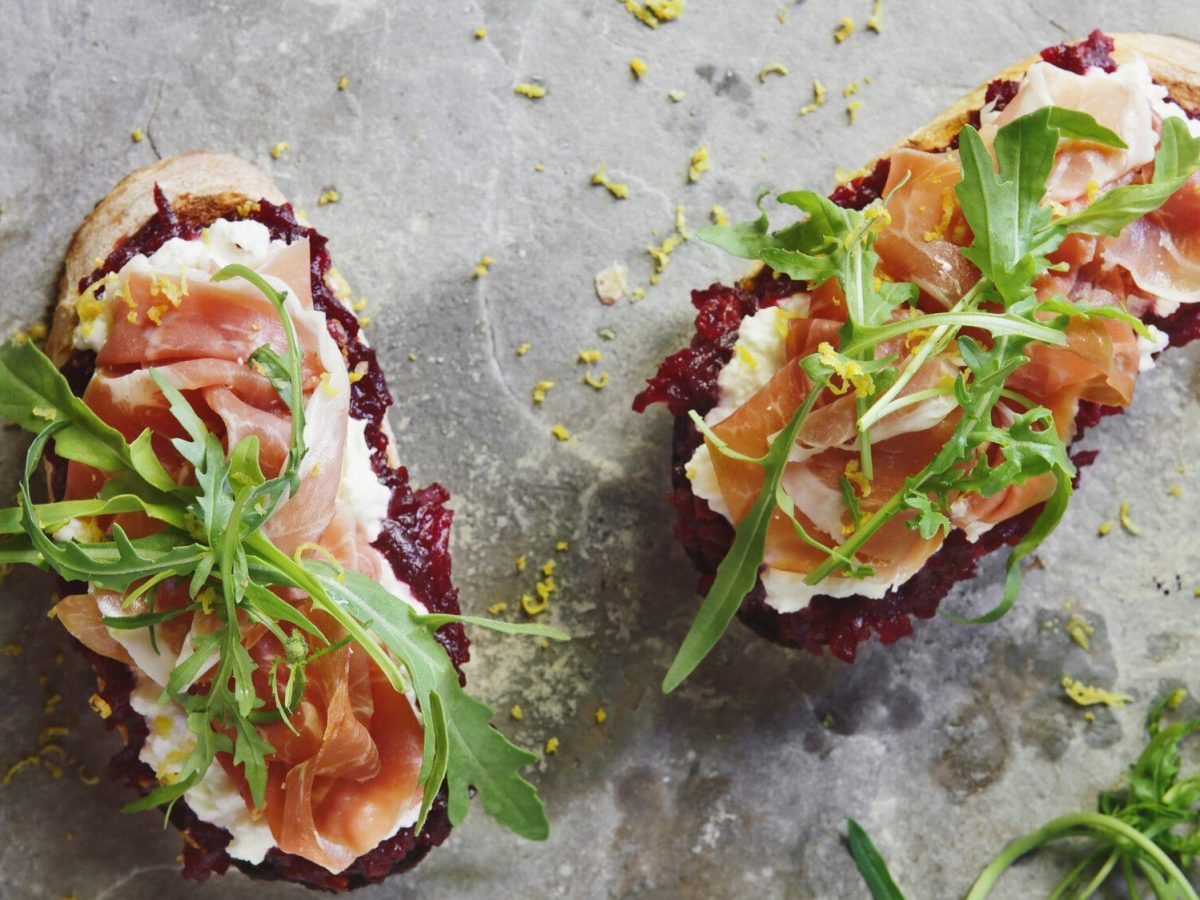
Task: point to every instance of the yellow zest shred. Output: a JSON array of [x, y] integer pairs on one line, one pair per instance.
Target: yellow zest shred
[[329, 389], [661, 256], [855, 476], [743, 353], [533, 607], [717, 214], [517, 713], [521, 563], [524, 348], [1177, 697], [850, 89], [538, 167], [1092, 190], [589, 356], [548, 568], [939, 231], [562, 546], [532, 91], [17, 767], [638, 66], [328, 196], [496, 608], [852, 109], [1079, 630], [279, 149], [1105, 528], [875, 23], [850, 371], [552, 745], [100, 705], [772, 69], [676, 95], [620, 190], [13, 649], [601, 716], [818, 98], [637, 294], [545, 588], [482, 267], [698, 164], [539, 391], [597, 383], [1126, 522], [844, 30], [1174, 490], [137, 135], [343, 82], [480, 33], [249, 206], [1087, 695]]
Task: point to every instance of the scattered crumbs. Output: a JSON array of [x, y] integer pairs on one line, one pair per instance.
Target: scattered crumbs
[[480, 33], [1177, 697], [524, 348], [589, 356], [538, 167], [327, 197], [852, 109], [137, 135], [818, 98], [562, 546], [597, 382], [850, 89], [1175, 490], [772, 69], [343, 82], [482, 267], [13, 649], [496, 608], [844, 30], [1126, 522], [875, 23], [637, 294], [827, 721], [99, 704], [532, 91], [517, 713], [698, 164], [676, 95], [612, 283], [607, 333], [637, 65], [560, 432], [1105, 528], [1080, 631], [552, 745], [717, 214], [539, 394], [280, 148], [1087, 695], [618, 189], [601, 716], [533, 607]]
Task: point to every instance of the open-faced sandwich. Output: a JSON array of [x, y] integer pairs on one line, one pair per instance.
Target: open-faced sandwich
[[892, 392], [265, 598]]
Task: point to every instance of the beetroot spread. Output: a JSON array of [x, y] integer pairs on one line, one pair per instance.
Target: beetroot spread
[[687, 380], [415, 540]]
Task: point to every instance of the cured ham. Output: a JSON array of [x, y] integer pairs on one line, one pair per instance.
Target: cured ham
[[346, 779]]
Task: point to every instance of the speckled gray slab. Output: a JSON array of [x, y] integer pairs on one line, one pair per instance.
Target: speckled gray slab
[[943, 745]]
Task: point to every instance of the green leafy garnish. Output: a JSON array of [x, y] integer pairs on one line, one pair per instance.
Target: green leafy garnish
[[1002, 197], [1145, 834], [212, 539]]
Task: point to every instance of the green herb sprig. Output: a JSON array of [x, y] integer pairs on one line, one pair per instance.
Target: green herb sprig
[[1002, 198], [212, 536], [1147, 834]]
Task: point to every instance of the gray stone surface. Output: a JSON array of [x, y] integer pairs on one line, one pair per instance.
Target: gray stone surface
[[943, 745]]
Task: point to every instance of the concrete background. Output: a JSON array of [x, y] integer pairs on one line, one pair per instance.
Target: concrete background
[[943, 746]]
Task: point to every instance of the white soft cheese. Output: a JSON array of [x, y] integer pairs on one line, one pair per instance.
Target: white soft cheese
[[360, 488], [84, 530], [215, 798]]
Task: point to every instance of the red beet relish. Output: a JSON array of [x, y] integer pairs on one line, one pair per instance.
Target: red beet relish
[[688, 380], [415, 540]]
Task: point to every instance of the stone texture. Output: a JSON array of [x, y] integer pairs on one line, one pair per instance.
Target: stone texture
[[943, 746]]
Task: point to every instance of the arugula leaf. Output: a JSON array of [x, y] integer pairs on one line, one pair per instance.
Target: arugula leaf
[[477, 755], [870, 864]]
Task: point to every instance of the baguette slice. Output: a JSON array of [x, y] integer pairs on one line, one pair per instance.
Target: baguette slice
[[201, 186], [841, 624]]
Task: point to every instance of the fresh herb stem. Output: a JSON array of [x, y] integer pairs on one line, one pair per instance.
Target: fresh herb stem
[[1089, 823]]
